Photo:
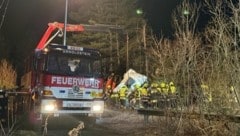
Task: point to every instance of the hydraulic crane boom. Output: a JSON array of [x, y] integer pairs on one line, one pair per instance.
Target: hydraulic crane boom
[[76, 28], [51, 27]]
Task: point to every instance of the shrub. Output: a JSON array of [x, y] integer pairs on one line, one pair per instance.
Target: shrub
[[7, 75]]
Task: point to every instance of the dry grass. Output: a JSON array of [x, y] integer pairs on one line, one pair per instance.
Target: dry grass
[[132, 124]]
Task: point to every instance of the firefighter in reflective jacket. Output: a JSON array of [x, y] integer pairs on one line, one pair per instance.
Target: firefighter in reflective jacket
[[172, 88], [135, 96], [140, 95], [154, 91], [164, 88], [144, 89], [123, 93], [137, 91], [114, 98], [144, 95], [172, 95]]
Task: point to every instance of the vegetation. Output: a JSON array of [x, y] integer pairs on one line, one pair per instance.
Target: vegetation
[[190, 59], [117, 51], [211, 58], [7, 75]]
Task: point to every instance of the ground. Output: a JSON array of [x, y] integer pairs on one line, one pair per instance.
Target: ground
[[114, 122], [122, 122]]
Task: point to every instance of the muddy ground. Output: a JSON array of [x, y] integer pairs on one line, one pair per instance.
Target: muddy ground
[[114, 122]]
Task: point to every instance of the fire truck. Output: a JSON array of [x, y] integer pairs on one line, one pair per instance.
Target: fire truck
[[64, 79]]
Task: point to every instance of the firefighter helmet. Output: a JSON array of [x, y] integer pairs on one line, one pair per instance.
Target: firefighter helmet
[[171, 83], [109, 87], [154, 84], [162, 84]]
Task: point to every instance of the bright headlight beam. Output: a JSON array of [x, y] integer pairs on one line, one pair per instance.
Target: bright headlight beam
[[49, 107], [97, 108]]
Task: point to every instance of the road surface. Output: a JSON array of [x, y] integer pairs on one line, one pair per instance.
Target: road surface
[[113, 123]]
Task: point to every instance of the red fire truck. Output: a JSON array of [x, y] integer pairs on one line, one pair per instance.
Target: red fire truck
[[64, 79]]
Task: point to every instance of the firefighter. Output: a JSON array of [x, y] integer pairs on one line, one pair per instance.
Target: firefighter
[[123, 93], [109, 86], [141, 94], [145, 89], [144, 95], [109, 90], [153, 94], [172, 94], [110, 82], [107, 96], [114, 81], [114, 99], [164, 88], [135, 96], [172, 88], [164, 100]]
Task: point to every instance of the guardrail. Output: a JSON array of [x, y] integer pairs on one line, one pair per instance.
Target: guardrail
[[186, 114]]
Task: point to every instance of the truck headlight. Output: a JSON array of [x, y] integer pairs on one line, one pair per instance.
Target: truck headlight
[[48, 106], [98, 106]]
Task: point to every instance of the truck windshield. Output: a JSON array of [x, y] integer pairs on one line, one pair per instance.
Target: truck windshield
[[73, 65]]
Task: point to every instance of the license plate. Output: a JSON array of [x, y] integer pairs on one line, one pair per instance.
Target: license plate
[[72, 104]]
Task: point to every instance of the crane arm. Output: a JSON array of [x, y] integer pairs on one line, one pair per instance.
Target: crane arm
[[51, 27]]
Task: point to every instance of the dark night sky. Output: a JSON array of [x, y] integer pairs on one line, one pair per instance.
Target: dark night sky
[[158, 13], [26, 20]]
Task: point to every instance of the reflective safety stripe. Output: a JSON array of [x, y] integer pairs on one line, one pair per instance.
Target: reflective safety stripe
[[122, 98]]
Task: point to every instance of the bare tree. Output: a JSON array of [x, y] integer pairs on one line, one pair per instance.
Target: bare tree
[[178, 59], [193, 60], [222, 38]]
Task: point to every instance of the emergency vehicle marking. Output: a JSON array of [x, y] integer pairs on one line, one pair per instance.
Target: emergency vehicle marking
[[70, 81]]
